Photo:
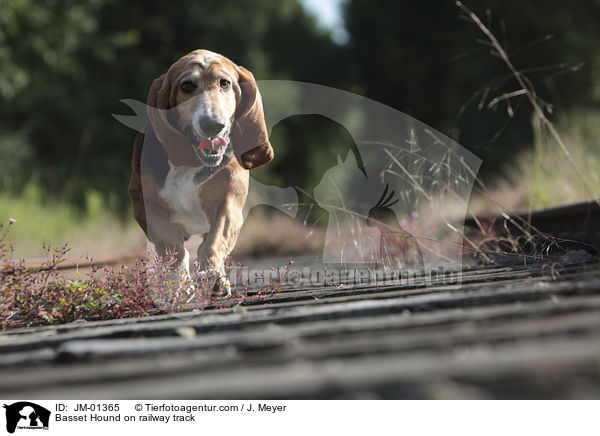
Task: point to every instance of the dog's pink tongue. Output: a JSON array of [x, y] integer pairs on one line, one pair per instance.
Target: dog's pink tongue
[[212, 143]]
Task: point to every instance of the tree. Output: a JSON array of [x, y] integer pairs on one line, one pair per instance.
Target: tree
[[64, 66]]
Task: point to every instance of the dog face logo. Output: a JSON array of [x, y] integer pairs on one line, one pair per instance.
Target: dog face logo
[[396, 244], [347, 195], [26, 415], [397, 200]]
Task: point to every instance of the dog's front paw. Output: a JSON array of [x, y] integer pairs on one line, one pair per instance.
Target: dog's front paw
[[222, 286], [215, 282]]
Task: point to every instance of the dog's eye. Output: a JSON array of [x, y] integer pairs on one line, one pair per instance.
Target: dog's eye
[[188, 86], [224, 83]]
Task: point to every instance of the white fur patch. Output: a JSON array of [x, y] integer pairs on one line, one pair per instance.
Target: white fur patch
[[181, 193], [201, 111], [184, 268]]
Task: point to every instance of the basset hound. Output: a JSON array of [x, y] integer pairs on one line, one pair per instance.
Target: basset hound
[[190, 165]]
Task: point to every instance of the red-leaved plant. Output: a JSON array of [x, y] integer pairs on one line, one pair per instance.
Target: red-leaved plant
[[41, 295]]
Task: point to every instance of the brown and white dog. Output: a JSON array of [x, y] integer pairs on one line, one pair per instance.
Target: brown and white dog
[[206, 130]]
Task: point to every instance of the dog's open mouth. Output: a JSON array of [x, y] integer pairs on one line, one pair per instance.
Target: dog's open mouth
[[211, 150]]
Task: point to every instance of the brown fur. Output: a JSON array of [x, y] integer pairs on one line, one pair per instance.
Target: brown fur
[[221, 197]]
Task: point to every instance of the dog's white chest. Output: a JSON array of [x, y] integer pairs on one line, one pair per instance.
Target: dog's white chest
[[181, 193]]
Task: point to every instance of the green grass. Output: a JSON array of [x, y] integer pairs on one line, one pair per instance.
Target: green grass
[[543, 177], [95, 229], [555, 180]]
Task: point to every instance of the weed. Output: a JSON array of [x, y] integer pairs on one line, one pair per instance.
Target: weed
[[38, 296]]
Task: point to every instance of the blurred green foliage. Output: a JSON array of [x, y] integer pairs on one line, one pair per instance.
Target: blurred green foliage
[[423, 58], [65, 64], [91, 227]]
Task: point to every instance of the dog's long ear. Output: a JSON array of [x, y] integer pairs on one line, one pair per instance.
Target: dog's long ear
[[249, 134], [160, 100]]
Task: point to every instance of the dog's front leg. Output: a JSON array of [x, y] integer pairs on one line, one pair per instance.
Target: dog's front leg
[[226, 223]]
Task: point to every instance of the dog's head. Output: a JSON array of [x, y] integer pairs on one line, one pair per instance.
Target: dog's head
[[204, 104]]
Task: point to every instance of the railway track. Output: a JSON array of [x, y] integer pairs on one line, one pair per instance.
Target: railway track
[[575, 225], [503, 332], [75, 263]]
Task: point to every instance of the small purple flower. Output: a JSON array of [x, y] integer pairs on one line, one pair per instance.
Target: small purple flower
[[12, 220], [414, 214], [403, 222]]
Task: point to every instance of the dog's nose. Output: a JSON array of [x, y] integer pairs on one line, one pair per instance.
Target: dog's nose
[[210, 126]]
